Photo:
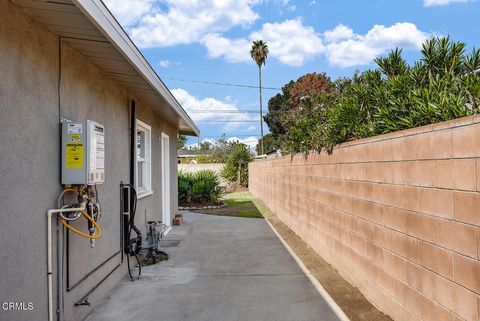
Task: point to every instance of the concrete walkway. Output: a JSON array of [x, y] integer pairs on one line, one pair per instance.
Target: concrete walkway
[[220, 269]]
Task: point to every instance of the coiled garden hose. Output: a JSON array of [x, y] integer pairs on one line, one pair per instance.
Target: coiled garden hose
[[64, 219], [88, 217]]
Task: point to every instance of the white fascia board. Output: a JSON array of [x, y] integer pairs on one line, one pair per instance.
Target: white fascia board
[[98, 14]]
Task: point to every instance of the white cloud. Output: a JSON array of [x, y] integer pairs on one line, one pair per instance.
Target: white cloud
[[131, 11], [164, 63], [251, 142], [431, 3], [293, 43], [173, 22], [232, 50], [288, 5], [168, 63], [290, 41], [191, 104], [182, 21], [362, 49], [340, 32]]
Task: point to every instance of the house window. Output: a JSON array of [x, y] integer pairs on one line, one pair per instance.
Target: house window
[[144, 160]]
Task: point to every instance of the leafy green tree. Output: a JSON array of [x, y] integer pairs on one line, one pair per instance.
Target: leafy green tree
[[236, 167], [259, 53], [309, 131], [221, 149], [181, 141], [285, 108], [442, 86], [270, 144], [205, 146], [393, 65], [278, 107]]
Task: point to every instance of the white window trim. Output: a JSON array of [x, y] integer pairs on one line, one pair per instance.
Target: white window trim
[[147, 129]]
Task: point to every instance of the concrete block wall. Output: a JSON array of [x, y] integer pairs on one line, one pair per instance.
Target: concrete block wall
[[193, 168], [398, 215]]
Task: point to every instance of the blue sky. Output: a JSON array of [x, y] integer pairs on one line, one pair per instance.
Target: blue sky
[[209, 41]]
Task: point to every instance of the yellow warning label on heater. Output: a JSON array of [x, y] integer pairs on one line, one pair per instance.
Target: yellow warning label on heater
[[74, 155]]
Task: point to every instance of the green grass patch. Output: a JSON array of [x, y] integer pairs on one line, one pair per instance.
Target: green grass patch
[[240, 204]]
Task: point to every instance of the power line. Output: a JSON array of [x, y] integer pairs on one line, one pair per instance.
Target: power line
[[238, 111], [232, 136], [221, 83]]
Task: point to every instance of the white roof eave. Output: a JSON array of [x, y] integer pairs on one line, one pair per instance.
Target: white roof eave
[[100, 16]]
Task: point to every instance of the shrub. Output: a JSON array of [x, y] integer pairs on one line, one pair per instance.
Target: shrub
[[206, 188], [185, 182], [200, 187], [236, 167], [443, 85]]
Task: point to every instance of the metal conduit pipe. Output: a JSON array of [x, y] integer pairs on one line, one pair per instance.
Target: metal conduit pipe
[[49, 251]]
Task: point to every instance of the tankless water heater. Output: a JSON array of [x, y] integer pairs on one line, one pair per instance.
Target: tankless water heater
[[83, 153]]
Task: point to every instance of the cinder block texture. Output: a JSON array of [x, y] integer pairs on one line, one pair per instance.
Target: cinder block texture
[[398, 215]]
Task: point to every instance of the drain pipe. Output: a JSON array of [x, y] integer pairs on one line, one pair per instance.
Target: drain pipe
[[49, 252]]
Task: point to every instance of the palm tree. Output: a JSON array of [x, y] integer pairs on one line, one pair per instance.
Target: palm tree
[[259, 53]]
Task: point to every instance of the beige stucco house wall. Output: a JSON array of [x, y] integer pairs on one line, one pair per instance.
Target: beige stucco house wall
[[48, 75]]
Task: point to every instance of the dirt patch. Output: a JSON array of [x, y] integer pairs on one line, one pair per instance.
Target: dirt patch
[[348, 297]]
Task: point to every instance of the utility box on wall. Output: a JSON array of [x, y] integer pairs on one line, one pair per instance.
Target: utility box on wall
[[83, 153]]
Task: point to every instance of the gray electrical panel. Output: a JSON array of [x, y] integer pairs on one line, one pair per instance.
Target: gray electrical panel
[[83, 153]]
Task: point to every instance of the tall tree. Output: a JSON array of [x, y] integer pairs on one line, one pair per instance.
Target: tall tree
[[259, 53], [205, 146], [270, 142], [285, 108], [181, 141]]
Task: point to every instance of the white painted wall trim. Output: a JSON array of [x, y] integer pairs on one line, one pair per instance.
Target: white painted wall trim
[[166, 187], [147, 179]]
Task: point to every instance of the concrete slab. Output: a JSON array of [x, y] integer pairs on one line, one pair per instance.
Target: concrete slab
[[222, 269]]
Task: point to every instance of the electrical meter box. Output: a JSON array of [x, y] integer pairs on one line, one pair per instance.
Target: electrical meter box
[[83, 153]]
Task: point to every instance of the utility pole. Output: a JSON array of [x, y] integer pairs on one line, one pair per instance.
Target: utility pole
[[261, 112]]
